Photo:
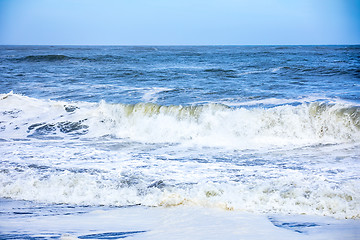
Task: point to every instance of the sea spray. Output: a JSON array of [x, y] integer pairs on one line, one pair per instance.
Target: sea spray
[[208, 125]]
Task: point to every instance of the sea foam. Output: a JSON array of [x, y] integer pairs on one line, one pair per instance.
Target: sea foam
[[296, 194], [153, 155], [207, 125]]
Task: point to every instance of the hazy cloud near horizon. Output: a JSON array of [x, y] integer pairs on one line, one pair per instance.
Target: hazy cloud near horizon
[[185, 22]]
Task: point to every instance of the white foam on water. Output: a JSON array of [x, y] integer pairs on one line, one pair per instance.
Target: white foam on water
[[177, 223], [122, 180], [287, 159], [283, 101], [274, 70], [151, 94], [208, 125]]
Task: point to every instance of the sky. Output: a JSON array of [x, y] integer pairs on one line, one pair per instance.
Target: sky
[[179, 22]]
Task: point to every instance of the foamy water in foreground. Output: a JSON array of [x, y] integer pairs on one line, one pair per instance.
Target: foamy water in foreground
[[189, 143], [69, 222]]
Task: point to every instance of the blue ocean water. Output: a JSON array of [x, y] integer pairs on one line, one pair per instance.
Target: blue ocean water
[[186, 75], [253, 129]]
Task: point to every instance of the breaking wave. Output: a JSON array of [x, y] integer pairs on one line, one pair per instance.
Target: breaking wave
[[208, 125], [78, 174]]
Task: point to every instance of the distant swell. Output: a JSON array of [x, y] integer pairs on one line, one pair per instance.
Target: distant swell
[[59, 57], [45, 58], [219, 70], [321, 70]]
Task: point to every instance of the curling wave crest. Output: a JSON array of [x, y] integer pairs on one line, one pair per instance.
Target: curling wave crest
[[207, 125]]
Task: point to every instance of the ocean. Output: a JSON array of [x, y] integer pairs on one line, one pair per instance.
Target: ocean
[[180, 142]]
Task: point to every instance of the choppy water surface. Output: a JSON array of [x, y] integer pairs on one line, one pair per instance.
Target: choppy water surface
[[265, 130]]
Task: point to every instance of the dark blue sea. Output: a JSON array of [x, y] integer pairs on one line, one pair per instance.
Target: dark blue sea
[[179, 142]]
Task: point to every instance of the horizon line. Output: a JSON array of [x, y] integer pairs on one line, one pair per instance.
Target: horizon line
[[180, 45]]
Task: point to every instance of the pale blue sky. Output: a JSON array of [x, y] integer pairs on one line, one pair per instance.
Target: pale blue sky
[[179, 22]]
